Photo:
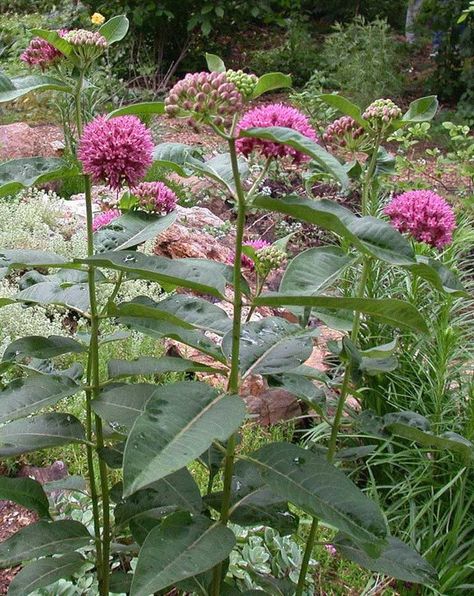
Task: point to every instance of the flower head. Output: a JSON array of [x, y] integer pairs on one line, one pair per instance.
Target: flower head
[[244, 82], [276, 114], [104, 218], [97, 18], [204, 97], [382, 111], [155, 197], [83, 37], [41, 53], [343, 132], [116, 150], [424, 215]]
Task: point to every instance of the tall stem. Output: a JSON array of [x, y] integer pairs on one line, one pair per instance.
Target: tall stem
[[369, 173], [233, 384]]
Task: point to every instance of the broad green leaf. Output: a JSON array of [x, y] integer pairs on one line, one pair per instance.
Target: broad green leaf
[[270, 346], [181, 547], [72, 483], [176, 491], [145, 108], [26, 492], [381, 351], [115, 29], [120, 582], [130, 230], [301, 387], [113, 455], [215, 63], [439, 276], [41, 539], [311, 483], [344, 106], [179, 423], [75, 296], [219, 169], [292, 138], [196, 274], [385, 163], [44, 572], [36, 346], [53, 38], [390, 311], [397, 560], [253, 503], [270, 82], [174, 156], [39, 432], [370, 235], [22, 85], [421, 110], [179, 309], [148, 365], [18, 174], [26, 395], [22, 259]]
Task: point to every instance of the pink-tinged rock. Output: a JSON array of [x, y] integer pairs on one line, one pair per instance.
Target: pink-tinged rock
[[22, 140]]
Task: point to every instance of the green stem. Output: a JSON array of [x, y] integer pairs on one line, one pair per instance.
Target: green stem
[[306, 557], [233, 384], [367, 183]]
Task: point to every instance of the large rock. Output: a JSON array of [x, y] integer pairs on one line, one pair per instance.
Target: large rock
[[22, 140]]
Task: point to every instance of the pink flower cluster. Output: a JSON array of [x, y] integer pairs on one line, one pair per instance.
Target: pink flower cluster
[[116, 150], [83, 37], [424, 215], [256, 245], [41, 53], [104, 218], [345, 126], [276, 114], [382, 109], [155, 197]]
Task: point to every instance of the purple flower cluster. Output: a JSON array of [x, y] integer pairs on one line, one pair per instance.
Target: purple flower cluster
[[41, 53], [424, 215], [276, 114], [342, 130], [204, 96], [155, 197], [83, 37], [104, 218], [117, 151]]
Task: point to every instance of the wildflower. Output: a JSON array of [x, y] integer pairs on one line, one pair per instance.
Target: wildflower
[[424, 215], [97, 18], [343, 132], [256, 245], [244, 82], [155, 197], [268, 258], [41, 53], [204, 97], [331, 549], [83, 37], [276, 114], [382, 111], [104, 218], [116, 150]]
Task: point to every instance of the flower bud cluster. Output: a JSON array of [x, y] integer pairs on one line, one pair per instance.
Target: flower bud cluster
[[83, 37], [269, 258], [244, 82], [155, 197], [41, 53], [204, 97], [342, 131], [382, 111]]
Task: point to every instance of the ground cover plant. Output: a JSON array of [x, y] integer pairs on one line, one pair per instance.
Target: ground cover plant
[[166, 532]]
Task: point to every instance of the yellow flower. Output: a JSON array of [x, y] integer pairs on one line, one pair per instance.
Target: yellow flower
[[97, 18]]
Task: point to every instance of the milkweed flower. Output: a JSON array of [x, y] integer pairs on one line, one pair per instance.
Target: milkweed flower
[[117, 151], [244, 82], [275, 114], [104, 218], [41, 53], [382, 111], [424, 215], [97, 18], [342, 132], [204, 97], [155, 197], [83, 37]]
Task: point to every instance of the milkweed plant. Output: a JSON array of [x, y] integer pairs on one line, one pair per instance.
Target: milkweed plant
[[164, 533]]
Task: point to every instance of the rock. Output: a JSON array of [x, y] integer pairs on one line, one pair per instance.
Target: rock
[[272, 406], [22, 140], [56, 471]]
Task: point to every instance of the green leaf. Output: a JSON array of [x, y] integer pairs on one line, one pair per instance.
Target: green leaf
[[179, 548], [26, 492], [311, 483], [115, 29], [28, 394], [214, 63], [148, 365], [370, 235], [397, 560], [42, 573], [196, 274], [270, 82], [439, 276], [36, 346], [145, 108], [53, 38], [301, 387], [385, 163], [292, 138], [74, 296], [41, 539], [179, 423], [270, 346], [421, 110], [219, 169], [390, 311], [130, 230], [23, 259], [176, 491], [17, 174], [20, 86], [174, 156], [344, 106], [39, 432]]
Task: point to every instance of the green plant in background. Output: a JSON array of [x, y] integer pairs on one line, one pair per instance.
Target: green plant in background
[[176, 536]]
